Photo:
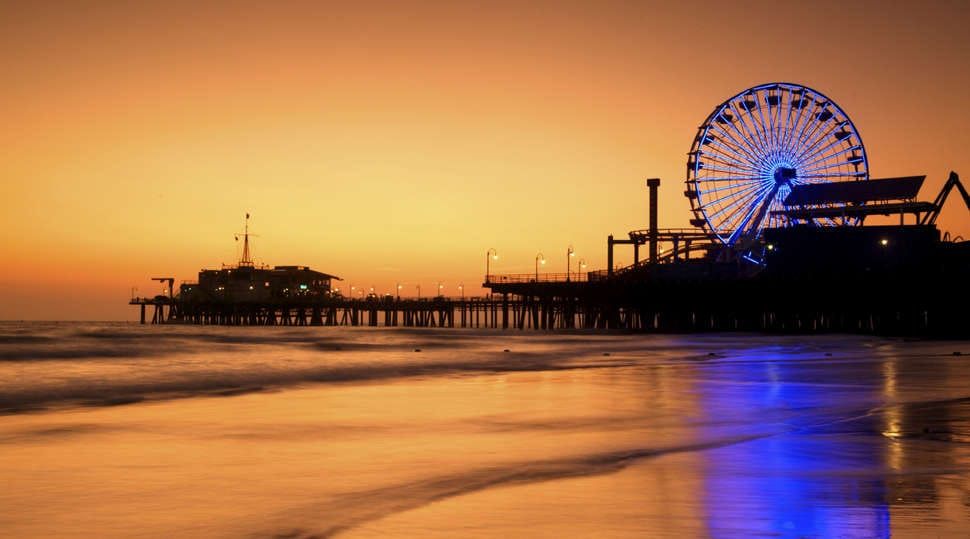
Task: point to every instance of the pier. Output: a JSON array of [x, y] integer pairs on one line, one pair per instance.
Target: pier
[[473, 312], [779, 243], [789, 305], [890, 279]]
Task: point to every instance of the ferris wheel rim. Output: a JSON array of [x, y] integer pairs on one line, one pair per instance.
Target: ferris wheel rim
[[798, 151]]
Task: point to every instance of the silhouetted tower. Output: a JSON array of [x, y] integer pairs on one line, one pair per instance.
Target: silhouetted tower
[[653, 184], [246, 259]]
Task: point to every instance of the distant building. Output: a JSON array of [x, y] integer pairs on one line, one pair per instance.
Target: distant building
[[248, 282], [244, 283]]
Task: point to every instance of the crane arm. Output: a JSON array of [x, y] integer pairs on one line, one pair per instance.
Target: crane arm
[[169, 280], [951, 182]]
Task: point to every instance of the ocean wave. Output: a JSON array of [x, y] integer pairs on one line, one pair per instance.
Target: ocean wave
[[197, 382]]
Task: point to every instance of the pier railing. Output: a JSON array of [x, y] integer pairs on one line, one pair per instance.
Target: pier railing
[[540, 278]]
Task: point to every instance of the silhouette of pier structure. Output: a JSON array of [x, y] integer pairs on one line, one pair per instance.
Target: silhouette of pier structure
[[895, 279], [778, 184]]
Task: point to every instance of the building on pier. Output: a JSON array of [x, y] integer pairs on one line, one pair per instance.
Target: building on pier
[[242, 283], [247, 282]]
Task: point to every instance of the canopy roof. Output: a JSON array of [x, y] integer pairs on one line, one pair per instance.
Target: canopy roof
[[860, 192]]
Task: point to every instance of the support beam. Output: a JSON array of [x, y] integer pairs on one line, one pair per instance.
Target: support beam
[[652, 185], [609, 255]]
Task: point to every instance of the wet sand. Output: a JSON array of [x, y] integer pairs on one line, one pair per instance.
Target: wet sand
[[562, 436]]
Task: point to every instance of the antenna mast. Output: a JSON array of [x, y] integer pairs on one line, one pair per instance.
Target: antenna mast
[[246, 260]]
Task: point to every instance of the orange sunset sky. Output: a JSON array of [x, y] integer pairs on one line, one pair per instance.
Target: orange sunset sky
[[396, 142]]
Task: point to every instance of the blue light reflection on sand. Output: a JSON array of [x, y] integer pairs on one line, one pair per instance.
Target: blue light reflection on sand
[[800, 481]]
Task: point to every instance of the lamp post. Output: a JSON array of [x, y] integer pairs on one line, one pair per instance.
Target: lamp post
[[399, 291], [419, 290], [490, 254], [352, 289], [440, 288], [570, 253], [539, 259], [461, 290], [582, 266]]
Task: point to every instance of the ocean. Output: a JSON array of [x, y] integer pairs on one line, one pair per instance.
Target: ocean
[[123, 430]]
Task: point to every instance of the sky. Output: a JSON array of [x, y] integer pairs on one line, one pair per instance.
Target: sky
[[395, 143]]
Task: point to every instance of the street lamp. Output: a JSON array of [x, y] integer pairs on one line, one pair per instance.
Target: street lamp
[[352, 289], [461, 290], [440, 287], [582, 266], [399, 291], [419, 290], [539, 259], [490, 254], [570, 253]]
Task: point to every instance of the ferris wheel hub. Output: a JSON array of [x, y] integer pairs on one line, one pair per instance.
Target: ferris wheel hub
[[784, 175]]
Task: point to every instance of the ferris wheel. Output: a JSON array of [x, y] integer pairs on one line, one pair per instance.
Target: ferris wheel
[[755, 146]]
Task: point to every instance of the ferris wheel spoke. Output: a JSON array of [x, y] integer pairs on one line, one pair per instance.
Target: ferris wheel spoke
[[742, 144], [767, 112], [729, 151], [822, 176], [748, 136], [826, 152], [727, 161], [758, 139], [775, 117], [809, 137], [839, 121], [764, 124], [738, 204], [753, 219], [729, 145], [759, 100], [824, 166], [820, 159], [722, 188], [814, 144], [728, 169], [742, 191], [741, 147], [806, 106], [783, 140], [731, 178], [744, 106], [726, 216], [749, 102], [811, 144], [813, 123]]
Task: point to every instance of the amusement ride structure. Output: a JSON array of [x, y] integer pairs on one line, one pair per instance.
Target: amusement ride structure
[[754, 148], [769, 158]]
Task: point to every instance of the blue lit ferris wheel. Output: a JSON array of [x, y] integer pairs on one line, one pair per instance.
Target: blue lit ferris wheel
[[755, 146]]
